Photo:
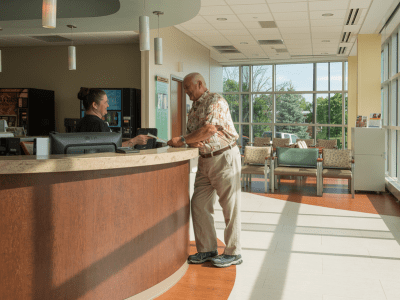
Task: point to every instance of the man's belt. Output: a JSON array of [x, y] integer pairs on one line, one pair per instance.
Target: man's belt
[[218, 152]]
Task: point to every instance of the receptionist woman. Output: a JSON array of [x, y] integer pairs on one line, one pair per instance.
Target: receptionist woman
[[95, 102]]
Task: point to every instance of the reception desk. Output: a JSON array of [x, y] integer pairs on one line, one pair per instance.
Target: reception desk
[[94, 226]]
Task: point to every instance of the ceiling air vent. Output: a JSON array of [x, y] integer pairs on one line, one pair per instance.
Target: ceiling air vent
[[341, 50], [270, 42], [267, 24], [281, 50], [346, 37], [50, 38], [226, 49], [353, 16]]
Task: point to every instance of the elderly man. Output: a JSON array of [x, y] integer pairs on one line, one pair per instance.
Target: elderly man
[[210, 128]]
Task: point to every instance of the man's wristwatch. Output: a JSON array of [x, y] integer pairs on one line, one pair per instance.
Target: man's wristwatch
[[183, 140]]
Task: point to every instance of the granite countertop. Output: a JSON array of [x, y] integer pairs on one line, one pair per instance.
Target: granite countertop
[[25, 164]]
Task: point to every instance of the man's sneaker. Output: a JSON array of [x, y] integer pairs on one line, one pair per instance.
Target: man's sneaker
[[224, 260], [201, 257]]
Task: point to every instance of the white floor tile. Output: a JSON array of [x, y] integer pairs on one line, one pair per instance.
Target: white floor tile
[[294, 251]]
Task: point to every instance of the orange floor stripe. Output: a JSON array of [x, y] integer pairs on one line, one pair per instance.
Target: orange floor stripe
[[203, 281], [336, 195]]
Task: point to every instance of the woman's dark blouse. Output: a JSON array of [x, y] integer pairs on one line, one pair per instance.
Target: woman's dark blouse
[[91, 123]]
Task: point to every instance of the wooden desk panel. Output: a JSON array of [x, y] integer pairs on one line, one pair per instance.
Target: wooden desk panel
[[106, 234]]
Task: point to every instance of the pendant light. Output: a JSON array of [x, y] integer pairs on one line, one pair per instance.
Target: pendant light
[[49, 13], [71, 52], [144, 31], [158, 42]]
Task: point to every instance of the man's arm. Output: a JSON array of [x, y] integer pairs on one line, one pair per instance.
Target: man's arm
[[196, 136]]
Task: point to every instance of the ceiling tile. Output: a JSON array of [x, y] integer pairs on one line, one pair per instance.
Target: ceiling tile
[[234, 55], [297, 42], [224, 25], [294, 30], [205, 32], [296, 23], [352, 28], [243, 32], [288, 7], [215, 40], [265, 31], [212, 2], [327, 22], [327, 29], [213, 19], [280, 1], [249, 43], [252, 25], [360, 3], [291, 36], [250, 9], [235, 2], [290, 16], [215, 10], [337, 14], [197, 26], [239, 38], [326, 35], [331, 41], [328, 5], [256, 17]]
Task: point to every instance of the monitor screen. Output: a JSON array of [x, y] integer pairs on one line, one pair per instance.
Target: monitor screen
[[85, 142]]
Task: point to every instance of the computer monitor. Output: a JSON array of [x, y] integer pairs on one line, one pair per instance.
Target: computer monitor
[[85, 142]]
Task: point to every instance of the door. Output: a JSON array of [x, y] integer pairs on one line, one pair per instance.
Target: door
[[176, 107]]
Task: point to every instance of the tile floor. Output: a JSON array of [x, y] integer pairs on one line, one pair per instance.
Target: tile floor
[[295, 251]]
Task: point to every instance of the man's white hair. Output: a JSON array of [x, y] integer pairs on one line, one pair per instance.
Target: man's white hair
[[196, 77]]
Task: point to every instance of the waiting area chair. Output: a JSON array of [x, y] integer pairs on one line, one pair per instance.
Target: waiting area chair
[[309, 142], [296, 162], [327, 144], [338, 164], [256, 160], [261, 142]]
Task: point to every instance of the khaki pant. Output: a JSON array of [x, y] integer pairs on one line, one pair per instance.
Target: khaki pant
[[218, 175]]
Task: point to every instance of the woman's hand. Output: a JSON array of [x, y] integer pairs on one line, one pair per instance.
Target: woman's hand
[[137, 140]]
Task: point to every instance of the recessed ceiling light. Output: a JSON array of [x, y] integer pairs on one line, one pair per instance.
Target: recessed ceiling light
[[325, 53], [327, 15], [325, 41], [222, 19], [255, 54], [255, 17], [244, 43]]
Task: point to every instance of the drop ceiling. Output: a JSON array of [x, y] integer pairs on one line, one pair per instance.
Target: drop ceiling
[[323, 29], [235, 31]]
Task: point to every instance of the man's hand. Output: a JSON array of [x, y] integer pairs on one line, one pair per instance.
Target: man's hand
[[196, 145], [175, 142]]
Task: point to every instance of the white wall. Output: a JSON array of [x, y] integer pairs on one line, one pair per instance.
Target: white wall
[[101, 66], [177, 47]]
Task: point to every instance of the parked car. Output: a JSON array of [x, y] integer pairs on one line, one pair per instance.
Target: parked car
[[282, 135]]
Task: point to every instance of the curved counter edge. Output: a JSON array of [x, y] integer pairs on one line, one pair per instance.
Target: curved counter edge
[[89, 162], [163, 286]]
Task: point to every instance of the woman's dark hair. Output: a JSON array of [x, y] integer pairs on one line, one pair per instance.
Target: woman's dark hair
[[88, 96]]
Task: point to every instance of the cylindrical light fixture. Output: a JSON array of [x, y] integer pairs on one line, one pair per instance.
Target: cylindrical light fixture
[[71, 52], [49, 13], [144, 33], [71, 58], [1, 70], [158, 53]]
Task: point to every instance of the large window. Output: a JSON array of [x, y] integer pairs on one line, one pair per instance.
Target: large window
[[305, 100]]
